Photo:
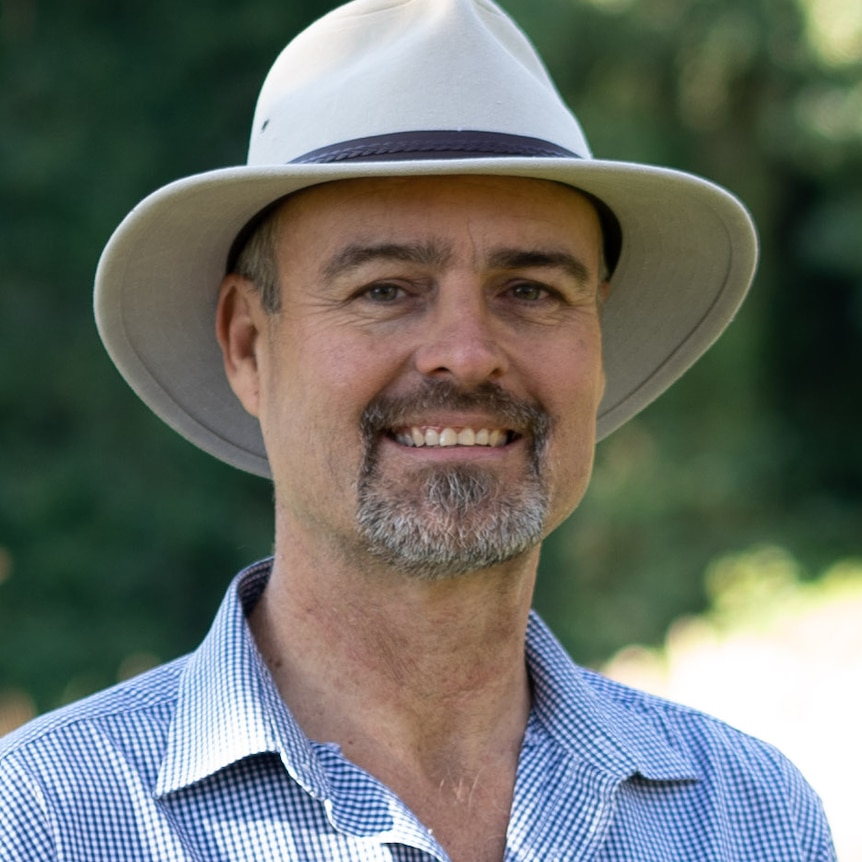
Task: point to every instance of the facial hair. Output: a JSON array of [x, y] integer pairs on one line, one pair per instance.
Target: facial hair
[[443, 521]]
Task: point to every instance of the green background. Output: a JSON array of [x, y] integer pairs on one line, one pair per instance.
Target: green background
[[118, 538]]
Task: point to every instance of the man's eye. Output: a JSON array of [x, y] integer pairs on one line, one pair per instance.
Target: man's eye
[[383, 292], [529, 292]]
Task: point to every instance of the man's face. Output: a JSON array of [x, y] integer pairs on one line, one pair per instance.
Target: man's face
[[428, 390]]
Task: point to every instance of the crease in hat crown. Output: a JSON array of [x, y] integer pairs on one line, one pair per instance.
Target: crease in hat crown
[[424, 70], [375, 67]]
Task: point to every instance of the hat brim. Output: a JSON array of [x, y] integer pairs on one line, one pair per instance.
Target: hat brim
[[688, 256]]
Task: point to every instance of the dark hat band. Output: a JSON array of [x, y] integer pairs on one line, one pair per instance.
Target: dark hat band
[[403, 146]]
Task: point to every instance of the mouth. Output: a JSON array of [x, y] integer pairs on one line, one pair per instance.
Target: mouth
[[444, 436]]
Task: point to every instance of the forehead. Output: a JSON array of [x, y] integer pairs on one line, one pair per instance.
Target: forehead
[[479, 210]]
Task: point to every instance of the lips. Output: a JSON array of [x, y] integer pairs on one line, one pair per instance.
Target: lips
[[443, 436], [438, 414]]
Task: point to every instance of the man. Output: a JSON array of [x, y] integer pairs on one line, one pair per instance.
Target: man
[[434, 301]]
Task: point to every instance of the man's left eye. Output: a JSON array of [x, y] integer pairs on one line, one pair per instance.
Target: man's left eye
[[528, 292], [383, 292]]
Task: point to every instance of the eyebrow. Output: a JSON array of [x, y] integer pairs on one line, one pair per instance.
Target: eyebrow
[[352, 256], [516, 258]]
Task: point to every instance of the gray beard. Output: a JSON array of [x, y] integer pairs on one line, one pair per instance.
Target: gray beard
[[455, 519]]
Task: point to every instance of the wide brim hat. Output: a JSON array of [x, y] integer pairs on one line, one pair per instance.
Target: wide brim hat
[[401, 88]]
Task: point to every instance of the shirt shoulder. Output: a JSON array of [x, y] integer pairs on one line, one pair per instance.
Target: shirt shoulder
[[132, 700], [75, 755], [62, 769], [761, 794], [708, 789], [704, 738]]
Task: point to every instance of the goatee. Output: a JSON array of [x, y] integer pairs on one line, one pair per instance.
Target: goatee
[[458, 518]]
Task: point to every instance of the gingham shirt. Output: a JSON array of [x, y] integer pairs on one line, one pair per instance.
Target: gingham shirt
[[200, 760]]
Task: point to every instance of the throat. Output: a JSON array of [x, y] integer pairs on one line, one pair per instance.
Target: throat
[[468, 815], [440, 666]]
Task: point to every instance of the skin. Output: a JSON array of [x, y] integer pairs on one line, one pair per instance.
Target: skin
[[422, 683]]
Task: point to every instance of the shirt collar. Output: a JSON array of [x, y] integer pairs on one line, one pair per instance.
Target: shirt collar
[[614, 728], [228, 708]]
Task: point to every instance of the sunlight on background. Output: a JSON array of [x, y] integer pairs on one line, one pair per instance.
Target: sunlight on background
[[779, 659], [16, 707], [834, 30]]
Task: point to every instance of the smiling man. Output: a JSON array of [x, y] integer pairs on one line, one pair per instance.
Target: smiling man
[[428, 302]]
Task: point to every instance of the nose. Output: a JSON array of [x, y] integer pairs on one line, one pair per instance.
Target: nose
[[462, 342]]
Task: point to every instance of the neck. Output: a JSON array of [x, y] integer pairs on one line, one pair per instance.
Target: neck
[[397, 670]]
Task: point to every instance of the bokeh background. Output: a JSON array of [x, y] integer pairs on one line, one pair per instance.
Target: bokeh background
[[734, 503]]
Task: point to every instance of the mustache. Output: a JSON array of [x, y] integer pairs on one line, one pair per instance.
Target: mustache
[[390, 411]]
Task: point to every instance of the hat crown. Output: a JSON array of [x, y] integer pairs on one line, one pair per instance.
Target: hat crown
[[384, 67]]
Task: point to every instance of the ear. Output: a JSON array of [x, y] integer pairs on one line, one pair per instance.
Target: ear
[[604, 291], [240, 319]]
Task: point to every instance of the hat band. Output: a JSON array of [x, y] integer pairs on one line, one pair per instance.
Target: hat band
[[402, 146]]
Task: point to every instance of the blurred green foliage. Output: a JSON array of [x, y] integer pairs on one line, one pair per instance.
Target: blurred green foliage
[[117, 538]]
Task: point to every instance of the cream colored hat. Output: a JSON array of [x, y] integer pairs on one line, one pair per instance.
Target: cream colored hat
[[403, 88]]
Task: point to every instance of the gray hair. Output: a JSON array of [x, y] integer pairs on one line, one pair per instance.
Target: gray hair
[[258, 262]]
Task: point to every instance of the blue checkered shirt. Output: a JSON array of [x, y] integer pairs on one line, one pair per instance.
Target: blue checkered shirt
[[200, 760]]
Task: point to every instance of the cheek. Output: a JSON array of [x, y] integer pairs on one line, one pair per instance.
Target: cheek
[[574, 385], [572, 376], [570, 464], [316, 401]]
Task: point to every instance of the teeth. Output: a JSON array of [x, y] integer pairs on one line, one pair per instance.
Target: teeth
[[445, 437], [448, 437]]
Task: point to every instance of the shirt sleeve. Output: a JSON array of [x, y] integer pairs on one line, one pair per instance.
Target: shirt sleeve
[[25, 823], [767, 799], [815, 836]]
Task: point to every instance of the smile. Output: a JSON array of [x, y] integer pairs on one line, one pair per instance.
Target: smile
[[430, 436]]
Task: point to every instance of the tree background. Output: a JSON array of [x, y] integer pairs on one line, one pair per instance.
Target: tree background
[[118, 538]]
